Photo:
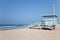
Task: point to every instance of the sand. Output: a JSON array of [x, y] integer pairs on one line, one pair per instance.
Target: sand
[[30, 34]]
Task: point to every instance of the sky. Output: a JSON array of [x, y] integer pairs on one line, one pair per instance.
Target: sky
[[26, 11]]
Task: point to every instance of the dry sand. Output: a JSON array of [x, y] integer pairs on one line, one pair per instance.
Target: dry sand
[[30, 34]]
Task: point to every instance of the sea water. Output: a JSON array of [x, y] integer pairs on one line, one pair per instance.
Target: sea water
[[11, 26]]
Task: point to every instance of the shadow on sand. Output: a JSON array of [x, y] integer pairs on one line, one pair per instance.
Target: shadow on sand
[[40, 28], [46, 29]]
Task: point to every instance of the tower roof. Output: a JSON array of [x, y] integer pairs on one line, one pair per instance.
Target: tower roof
[[50, 16]]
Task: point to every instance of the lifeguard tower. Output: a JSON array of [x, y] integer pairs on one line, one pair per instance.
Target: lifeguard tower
[[49, 21]]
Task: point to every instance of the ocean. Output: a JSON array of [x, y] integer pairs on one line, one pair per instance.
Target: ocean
[[11, 26]]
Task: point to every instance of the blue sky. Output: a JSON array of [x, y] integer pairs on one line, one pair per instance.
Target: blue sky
[[26, 11]]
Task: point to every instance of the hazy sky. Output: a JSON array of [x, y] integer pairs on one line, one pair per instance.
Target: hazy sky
[[26, 11]]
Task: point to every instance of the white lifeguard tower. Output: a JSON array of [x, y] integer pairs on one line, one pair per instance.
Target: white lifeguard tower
[[49, 21]]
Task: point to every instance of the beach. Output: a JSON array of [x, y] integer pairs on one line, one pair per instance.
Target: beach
[[30, 34]]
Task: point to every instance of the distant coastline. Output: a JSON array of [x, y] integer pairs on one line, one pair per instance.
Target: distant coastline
[[12, 24]]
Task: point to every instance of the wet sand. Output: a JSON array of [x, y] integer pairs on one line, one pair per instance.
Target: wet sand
[[30, 34]]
